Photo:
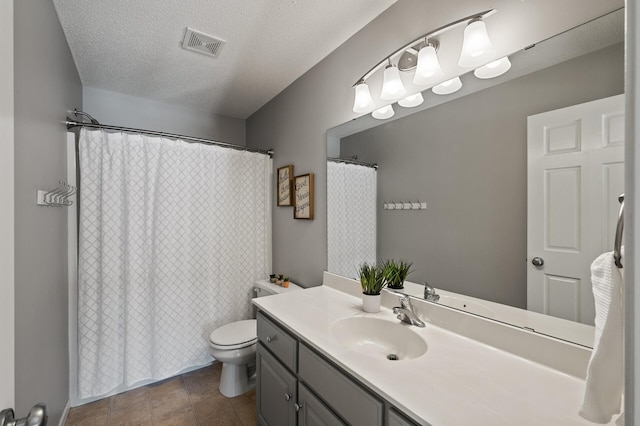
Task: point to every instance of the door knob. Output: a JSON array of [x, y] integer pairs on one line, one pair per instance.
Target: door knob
[[287, 396], [537, 261], [298, 407]]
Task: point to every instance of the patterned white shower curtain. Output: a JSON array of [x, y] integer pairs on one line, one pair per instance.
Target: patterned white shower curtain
[[351, 217], [171, 237]]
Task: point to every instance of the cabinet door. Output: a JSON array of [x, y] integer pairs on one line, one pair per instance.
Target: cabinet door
[[313, 412], [397, 419], [276, 391]]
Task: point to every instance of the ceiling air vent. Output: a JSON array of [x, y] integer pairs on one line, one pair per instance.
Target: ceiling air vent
[[203, 43]]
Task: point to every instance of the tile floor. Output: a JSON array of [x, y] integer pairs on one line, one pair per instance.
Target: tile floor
[[192, 399]]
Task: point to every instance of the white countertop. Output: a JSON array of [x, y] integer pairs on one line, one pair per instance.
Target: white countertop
[[458, 381]]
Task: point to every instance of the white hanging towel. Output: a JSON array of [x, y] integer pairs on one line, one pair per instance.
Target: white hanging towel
[[605, 373]]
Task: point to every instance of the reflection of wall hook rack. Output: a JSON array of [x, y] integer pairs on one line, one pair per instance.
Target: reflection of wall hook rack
[[58, 197], [410, 205]]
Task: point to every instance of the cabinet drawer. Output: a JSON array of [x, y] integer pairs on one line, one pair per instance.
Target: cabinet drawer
[[340, 392], [278, 341]]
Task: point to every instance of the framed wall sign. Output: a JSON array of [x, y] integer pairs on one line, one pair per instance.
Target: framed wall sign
[[303, 197], [284, 182]]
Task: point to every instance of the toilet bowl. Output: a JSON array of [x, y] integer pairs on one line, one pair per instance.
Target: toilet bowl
[[234, 345]]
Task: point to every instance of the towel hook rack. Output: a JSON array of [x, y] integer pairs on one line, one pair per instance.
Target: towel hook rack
[[617, 246]]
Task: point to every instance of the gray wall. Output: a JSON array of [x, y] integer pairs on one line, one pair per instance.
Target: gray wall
[[128, 111], [46, 86], [295, 123], [468, 160]]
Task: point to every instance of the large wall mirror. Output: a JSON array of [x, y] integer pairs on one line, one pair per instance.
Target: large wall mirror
[[466, 156]]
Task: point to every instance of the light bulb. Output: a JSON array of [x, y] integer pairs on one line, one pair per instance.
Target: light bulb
[[476, 46], [447, 87], [392, 87], [493, 69], [363, 101], [411, 100], [428, 69], [384, 112]]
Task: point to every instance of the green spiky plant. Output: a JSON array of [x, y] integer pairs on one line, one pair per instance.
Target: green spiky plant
[[396, 272], [372, 278]]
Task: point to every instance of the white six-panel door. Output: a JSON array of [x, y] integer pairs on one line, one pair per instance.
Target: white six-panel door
[[7, 256], [575, 175]]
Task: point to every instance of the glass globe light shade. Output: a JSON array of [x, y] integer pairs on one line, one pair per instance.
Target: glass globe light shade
[[493, 69], [363, 101], [476, 46], [383, 113], [392, 87], [428, 70], [447, 87]]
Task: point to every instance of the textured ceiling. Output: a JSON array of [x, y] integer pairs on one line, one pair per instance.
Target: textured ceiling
[[134, 47]]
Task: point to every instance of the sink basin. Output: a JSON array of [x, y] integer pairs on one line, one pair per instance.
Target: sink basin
[[379, 338], [466, 305]]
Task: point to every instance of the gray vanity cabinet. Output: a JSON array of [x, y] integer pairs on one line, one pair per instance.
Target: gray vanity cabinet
[[276, 391], [297, 386]]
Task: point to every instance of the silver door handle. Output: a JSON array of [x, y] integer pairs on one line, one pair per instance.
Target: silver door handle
[[537, 261], [37, 417], [287, 396], [270, 339], [298, 407]]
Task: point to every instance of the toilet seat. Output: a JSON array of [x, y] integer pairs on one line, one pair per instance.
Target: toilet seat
[[235, 335]]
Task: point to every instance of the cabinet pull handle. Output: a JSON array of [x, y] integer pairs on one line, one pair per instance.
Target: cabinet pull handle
[[298, 407], [287, 396], [270, 339]]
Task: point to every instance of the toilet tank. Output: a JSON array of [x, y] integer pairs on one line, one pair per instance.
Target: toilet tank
[[265, 288]]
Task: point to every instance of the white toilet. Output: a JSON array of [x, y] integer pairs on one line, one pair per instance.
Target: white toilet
[[234, 345]]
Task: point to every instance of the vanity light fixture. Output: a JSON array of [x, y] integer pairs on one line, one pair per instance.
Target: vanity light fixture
[[411, 100], [448, 87], [363, 101], [428, 69], [421, 56], [476, 45], [493, 69], [383, 113], [392, 87]]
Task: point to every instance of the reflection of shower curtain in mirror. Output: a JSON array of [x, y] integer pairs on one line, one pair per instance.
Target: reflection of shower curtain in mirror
[[172, 236], [351, 217]]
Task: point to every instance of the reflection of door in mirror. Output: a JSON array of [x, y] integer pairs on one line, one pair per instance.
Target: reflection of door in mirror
[[575, 174], [351, 216]]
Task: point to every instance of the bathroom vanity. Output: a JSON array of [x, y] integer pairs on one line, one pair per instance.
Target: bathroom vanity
[[322, 360]]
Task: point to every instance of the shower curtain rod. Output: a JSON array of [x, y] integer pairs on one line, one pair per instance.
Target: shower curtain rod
[[71, 124], [359, 163]]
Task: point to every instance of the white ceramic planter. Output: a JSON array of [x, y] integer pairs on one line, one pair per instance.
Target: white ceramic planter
[[371, 303]]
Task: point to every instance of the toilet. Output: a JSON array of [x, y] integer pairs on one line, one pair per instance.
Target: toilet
[[234, 345]]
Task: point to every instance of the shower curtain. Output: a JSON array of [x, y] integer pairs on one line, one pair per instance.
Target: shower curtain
[[171, 237], [351, 217]]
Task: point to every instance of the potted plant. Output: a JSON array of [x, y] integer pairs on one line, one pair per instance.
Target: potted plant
[[372, 281], [279, 279], [285, 282], [272, 278], [396, 272]]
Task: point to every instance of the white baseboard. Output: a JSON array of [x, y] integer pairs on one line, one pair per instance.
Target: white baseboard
[[65, 413]]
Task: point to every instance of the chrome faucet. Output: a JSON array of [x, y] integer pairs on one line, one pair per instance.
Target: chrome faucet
[[405, 311], [430, 294]]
